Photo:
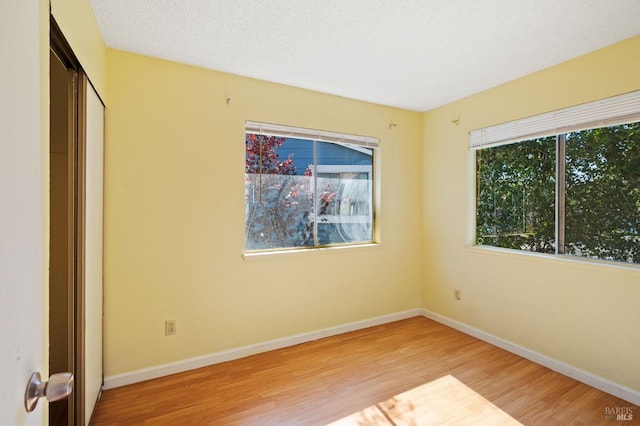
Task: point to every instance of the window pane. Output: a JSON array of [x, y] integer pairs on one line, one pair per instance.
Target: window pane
[[603, 193], [515, 196], [278, 195], [345, 193], [282, 193]]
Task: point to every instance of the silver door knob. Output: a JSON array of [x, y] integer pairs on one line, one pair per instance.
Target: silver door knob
[[58, 387]]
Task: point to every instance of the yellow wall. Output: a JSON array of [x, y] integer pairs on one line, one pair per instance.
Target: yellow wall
[[79, 26], [174, 217], [582, 313]]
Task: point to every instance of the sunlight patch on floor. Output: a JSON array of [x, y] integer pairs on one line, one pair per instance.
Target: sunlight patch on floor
[[445, 401]]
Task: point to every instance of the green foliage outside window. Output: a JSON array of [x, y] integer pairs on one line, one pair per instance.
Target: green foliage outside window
[[515, 195], [603, 193]]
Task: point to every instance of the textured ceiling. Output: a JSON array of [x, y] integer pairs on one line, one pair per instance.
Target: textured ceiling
[[413, 54]]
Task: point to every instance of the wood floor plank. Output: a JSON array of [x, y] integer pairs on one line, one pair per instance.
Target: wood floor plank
[[414, 371]]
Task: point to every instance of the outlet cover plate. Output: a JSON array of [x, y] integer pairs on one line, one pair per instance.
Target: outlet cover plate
[[169, 327]]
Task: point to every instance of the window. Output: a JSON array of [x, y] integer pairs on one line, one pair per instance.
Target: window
[[571, 188], [307, 188], [515, 198]]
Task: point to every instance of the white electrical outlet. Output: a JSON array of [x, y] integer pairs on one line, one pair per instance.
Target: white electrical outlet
[[456, 294], [169, 327]]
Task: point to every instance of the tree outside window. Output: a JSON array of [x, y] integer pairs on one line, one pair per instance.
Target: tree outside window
[[516, 194]]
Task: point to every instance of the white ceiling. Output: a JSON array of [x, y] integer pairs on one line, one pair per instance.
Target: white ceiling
[[413, 54]]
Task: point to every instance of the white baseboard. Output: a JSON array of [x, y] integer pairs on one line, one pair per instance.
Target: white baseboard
[[590, 379], [136, 376]]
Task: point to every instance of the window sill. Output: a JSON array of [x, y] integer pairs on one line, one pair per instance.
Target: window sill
[[302, 251], [554, 258]]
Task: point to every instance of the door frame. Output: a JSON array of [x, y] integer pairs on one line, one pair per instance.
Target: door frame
[[77, 150]]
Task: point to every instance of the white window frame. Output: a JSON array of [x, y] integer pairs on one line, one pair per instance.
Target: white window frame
[[365, 144], [612, 111]]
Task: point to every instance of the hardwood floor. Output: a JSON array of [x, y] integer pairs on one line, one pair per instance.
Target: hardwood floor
[[410, 372]]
